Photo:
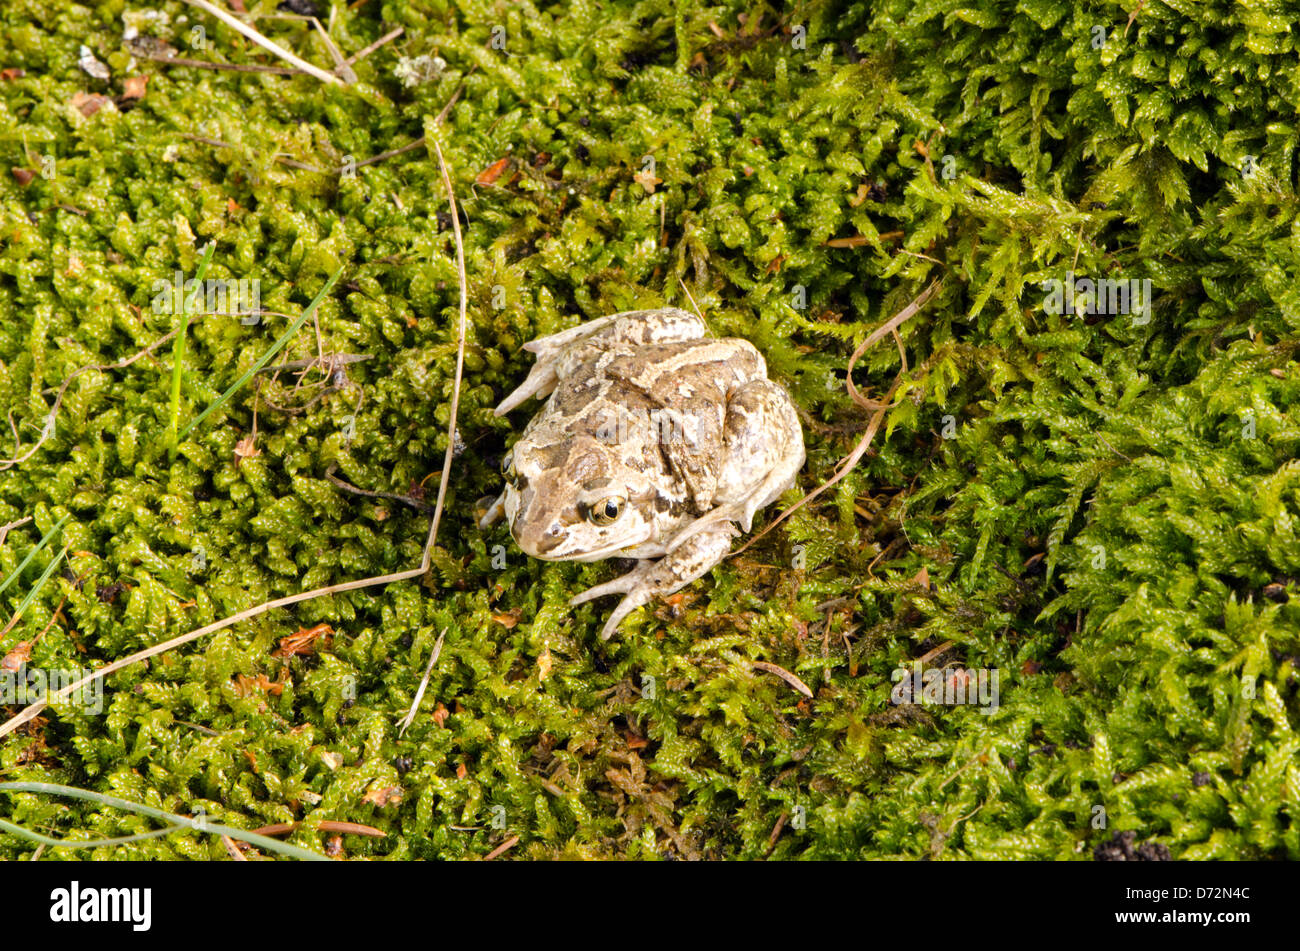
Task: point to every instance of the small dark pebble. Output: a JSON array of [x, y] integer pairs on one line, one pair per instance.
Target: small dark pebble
[[1275, 593], [304, 8], [1120, 849], [1200, 779]]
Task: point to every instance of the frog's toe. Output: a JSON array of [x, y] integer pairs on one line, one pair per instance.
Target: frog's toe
[[540, 382], [633, 600], [490, 510], [620, 585]]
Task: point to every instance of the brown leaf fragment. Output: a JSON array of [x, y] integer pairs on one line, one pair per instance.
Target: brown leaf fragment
[[646, 179], [133, 87], [492, 172], [89, 103], [246, 448], [303, 642], [20, 654], [385, 796], [507, 619]]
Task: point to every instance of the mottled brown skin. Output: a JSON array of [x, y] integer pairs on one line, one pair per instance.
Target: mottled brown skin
[[654, 440]]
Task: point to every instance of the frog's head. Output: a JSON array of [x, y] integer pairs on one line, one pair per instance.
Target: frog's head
[[576, 500]]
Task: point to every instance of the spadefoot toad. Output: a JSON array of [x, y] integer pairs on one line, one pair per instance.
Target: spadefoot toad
[[654, 439]]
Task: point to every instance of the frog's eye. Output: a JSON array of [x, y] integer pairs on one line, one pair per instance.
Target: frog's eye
[[607, 510]]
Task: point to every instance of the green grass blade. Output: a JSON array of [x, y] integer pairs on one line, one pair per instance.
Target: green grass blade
[[184, 823], [14, 829], [9, 579], [178, 347], [266, 357], [40, 583]]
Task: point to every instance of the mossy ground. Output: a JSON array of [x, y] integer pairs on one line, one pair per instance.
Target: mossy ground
[[1112, 524]]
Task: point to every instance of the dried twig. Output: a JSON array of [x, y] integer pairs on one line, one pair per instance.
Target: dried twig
[[346, 486], [231, 67], [327, 825], [341, 66], [233, 850], [785, 675], [776, 833], [409, 147]]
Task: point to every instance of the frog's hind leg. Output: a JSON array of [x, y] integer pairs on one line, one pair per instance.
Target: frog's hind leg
[[652, 579], [558, 353], [763, 451]]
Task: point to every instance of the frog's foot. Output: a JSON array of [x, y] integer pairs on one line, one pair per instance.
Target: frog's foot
[[652, 579], [493, 510]]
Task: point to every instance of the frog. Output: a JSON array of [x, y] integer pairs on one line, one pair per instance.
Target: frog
[[656, 442]]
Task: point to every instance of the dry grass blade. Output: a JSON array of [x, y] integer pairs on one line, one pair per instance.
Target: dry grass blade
[[847, 464], [266, 44], [424, 683], [386, 38], [4, 529]]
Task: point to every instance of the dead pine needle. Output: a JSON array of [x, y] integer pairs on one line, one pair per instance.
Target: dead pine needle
[[30, 712], [502, 849]]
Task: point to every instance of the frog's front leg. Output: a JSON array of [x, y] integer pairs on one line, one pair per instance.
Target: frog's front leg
[[652, 579], [557, 352]]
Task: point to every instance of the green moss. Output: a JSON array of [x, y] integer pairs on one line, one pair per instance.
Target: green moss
[[1105, 509]]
